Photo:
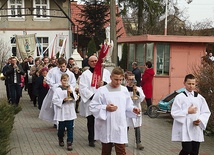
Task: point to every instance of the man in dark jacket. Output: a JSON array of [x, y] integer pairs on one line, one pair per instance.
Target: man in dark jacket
[[5, 68], [13, 74], [136, 71]]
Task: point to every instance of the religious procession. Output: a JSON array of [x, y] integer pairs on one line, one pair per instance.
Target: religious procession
[[70, 91], [109, 98]]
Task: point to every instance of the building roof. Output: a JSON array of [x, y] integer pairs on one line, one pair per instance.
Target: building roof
[[166, 38], [75, 11]]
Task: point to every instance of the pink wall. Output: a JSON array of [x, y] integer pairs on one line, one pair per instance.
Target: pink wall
[[183, 58], [185, 53]]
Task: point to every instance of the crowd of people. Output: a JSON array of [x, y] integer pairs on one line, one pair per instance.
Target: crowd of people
[[60, 90]]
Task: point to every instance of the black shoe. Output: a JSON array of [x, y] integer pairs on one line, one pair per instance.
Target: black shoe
[[9, 101], [91, 144], [61, 142], [145, 113], [69, 146]]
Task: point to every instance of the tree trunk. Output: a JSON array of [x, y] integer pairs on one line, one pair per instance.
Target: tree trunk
[[140, 17]]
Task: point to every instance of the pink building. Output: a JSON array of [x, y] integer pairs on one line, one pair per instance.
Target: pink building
[[172, 56]]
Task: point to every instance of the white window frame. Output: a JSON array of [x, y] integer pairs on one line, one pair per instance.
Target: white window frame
[[41, 11], [13, 44], [16, 5], [42, 44]]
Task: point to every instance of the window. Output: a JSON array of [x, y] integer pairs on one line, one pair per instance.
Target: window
[[13, 45], [42, 9], [131, 55], [140, 53], [149, 52], [16, 9], [163, 55], [42, 44]]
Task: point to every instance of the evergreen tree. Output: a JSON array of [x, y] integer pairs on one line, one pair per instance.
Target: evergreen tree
[[124, 59], [7, 116], [148, 13], [91, 47], [95, 18]]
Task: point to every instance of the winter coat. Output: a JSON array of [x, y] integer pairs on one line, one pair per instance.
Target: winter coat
[[146, 82]]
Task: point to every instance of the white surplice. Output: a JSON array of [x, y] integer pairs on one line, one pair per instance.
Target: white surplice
[[112, 126], [53, 80], [50, 74], [136, 122], [183, 128], [54, 77], [86, 91], [64, 111]]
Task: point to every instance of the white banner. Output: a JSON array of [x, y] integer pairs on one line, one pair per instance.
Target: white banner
[[26, 45], [60, 45]]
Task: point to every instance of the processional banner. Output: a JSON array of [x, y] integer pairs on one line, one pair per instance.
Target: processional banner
[[26, 45], [97, 74], [60, 45]]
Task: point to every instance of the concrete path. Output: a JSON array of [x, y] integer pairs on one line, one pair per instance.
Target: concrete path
[[32, 136]]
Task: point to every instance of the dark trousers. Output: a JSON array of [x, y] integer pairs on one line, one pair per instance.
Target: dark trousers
[[15, 90], [119, 149], [90, 126], [26, 83], [70, 127], [30, 91], [8, 91], [190, 148], [148, 102], [137, 135]]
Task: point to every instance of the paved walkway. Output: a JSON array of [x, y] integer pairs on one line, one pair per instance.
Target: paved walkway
[[32, 136]]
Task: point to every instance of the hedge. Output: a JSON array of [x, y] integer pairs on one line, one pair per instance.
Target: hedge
[[7, 116]]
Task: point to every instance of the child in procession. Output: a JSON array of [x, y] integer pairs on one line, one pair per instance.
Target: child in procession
[[137, 97], [64, 100], [191, 114]]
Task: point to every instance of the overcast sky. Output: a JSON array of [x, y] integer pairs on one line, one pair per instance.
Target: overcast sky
[[197, 10]]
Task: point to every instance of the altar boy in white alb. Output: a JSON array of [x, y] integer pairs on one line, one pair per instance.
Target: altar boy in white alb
[[53, 79], [137, 97], [111, 105], [191, 114], [64, 100]]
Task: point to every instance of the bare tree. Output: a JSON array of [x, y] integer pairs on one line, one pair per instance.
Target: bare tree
[[4, 50]]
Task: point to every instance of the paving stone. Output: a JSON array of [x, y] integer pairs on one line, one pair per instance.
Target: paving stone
[[32, 136]]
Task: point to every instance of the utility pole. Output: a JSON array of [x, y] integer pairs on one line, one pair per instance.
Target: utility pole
[[113, 28], [166, 14], [70, 34]]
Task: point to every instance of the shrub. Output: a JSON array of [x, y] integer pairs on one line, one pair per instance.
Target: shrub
[[205, 85], [7, 116]]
